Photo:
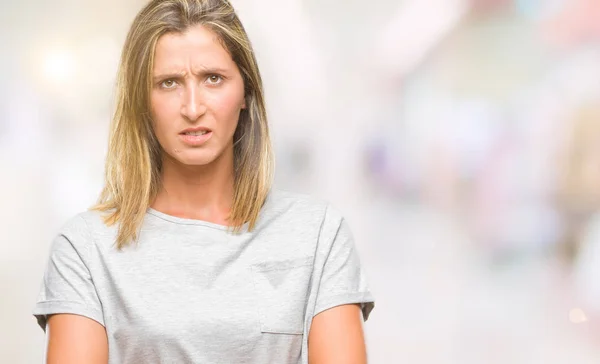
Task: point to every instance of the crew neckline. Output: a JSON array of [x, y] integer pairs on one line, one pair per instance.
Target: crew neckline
[[188, 221]]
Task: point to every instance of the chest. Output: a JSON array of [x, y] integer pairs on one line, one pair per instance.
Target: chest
[[204, 302]]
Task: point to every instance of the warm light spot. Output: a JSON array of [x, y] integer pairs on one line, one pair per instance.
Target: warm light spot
[[577, 316], [58, 65]]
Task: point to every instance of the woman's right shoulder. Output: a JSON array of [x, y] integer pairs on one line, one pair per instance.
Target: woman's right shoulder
[[86, 226]]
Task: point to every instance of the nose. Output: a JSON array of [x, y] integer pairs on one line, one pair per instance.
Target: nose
[[193, 106]]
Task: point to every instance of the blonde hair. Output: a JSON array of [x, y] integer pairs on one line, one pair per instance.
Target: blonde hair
[[133, 163]]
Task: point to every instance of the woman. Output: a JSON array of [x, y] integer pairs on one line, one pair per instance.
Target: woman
[[190, 256]]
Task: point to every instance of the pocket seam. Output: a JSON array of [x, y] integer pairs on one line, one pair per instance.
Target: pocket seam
[[261, 293], [288, 263]]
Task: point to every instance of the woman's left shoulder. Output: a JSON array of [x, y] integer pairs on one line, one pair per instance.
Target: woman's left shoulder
[[299, 205], [300, 217]]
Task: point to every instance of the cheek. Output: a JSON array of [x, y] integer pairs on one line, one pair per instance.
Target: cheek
[[162, 110], [162, 105], [227, 107]]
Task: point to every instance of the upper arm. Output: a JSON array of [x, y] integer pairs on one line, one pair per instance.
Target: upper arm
[[74, 339], [68, 307], [340, 278], [343, 299], [336, 336]]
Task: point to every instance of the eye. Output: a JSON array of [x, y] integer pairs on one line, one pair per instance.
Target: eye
[[214, 79], [168, 84]]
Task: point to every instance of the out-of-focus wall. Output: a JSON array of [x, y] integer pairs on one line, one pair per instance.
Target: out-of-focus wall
[[460, 138]]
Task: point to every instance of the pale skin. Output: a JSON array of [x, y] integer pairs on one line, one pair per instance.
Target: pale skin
[[196, 83]]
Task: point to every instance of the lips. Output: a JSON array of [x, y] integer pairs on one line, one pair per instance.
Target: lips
[[196, 131], [195, 137]]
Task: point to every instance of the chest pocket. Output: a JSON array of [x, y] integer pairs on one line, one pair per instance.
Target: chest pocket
[[282, 289]]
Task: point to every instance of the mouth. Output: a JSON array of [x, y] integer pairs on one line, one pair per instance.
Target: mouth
[[195, 136], [196, 131]]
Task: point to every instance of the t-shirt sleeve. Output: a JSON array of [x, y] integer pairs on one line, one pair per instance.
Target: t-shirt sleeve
[[67, 285], [343, 280]]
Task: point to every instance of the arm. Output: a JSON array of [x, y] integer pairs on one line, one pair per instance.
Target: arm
[[68, 308], [74, 339], [336, 336]]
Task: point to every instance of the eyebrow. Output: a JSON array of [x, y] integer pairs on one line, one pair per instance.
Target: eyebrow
[[203, 71]]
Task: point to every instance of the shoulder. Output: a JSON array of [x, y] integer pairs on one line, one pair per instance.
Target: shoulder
[[301, 208], [283, 199], [83, 228]]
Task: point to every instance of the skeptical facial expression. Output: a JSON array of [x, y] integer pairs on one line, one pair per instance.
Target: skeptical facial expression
[[197, 96]]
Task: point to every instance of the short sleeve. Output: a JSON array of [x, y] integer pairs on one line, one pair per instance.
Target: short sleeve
[[343, 279], [67, 285]]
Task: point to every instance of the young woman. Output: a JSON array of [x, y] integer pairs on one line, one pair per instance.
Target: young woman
[[190, 256]]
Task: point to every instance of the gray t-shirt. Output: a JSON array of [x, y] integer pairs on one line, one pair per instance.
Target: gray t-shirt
[[192, 292]]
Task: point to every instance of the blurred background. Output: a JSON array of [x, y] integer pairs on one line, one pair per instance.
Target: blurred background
[[461, 139]]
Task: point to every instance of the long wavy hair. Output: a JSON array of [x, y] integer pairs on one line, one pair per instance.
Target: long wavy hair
[[134, 159]]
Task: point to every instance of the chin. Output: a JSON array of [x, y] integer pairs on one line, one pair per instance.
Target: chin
[[195, 158], [193, 162]]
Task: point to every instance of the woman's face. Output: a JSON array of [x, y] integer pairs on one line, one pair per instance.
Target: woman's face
[[196, 99]]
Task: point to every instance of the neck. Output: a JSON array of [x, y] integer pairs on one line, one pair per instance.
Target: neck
[[197, 192]]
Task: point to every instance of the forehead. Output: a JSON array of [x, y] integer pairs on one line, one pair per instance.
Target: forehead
[[197, 47]]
